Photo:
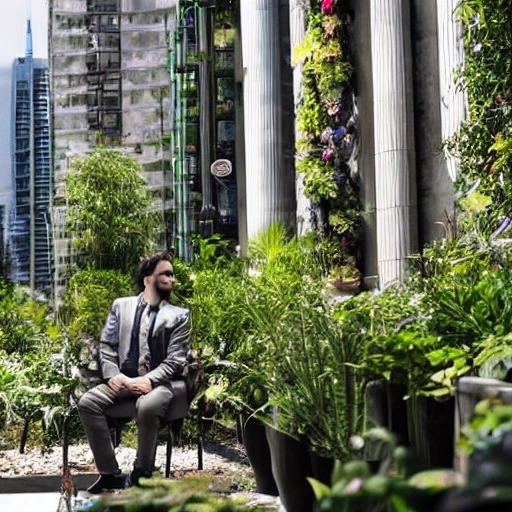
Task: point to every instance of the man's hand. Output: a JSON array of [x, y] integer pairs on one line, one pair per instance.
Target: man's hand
[[139, 386], [118, 382]]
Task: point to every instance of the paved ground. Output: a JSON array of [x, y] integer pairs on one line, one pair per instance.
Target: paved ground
[[50, 502], [40, 502]]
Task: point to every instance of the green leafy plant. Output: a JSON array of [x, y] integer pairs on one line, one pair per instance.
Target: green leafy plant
[[312, 116], [319, 178], [482, 144], [108, 213], [190, 494]]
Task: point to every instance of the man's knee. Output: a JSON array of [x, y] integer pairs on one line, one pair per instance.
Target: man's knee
[[84, 403], [91, 401], [147, 411], [153, 406]]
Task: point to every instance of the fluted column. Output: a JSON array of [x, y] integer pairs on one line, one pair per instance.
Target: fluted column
[[451, 55], [394, 146], [266, 180]]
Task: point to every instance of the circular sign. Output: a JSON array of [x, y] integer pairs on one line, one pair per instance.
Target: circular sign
[[221, 168]]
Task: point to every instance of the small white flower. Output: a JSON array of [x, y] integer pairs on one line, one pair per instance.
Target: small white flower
[[254, 273], [477, 47], [356, 443], [355, 485]]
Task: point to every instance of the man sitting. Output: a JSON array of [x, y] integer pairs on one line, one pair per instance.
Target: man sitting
[[143, 347]]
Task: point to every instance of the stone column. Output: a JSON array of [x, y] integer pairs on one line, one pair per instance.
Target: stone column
[[394, 138], [267, 183]]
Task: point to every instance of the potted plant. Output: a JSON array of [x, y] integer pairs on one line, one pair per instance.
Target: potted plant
[[487, 439], [396, 485], [299, 355], [346, 277]]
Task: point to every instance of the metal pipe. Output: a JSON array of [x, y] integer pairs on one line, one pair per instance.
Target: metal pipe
[[205, 119]]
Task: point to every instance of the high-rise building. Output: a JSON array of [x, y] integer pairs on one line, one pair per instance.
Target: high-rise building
[[29, 223], [110, 85], [2, 228]]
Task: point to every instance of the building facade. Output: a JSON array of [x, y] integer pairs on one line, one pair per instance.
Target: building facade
[[110, 85], [29, 223]]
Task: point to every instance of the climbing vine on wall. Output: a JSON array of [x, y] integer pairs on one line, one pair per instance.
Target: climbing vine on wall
[[326, 121], [484, 144]]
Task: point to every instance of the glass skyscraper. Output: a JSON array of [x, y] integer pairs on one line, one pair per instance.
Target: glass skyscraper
[[29, 227]]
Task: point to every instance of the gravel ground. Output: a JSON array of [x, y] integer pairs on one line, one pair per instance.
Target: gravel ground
[[216, 457]]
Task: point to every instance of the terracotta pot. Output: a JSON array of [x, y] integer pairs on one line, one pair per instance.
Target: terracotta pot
[[349, 286]]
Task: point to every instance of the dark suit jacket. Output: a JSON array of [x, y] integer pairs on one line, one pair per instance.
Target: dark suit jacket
[[170, 342]]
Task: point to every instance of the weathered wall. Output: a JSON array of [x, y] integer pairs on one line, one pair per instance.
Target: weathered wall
[[145, 77], [361, 38], [435, 188]]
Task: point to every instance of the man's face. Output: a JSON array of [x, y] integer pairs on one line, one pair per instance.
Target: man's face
[[162, 279]]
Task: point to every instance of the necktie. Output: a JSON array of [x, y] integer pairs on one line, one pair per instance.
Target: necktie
[[144, 353]]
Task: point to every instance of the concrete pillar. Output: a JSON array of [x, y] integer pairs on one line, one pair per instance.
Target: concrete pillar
[[394, 143], [267, 183]]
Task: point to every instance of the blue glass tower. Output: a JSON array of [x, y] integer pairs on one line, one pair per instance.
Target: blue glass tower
[[29, 228]]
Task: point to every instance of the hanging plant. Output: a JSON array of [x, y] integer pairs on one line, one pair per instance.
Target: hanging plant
[[331, 25], [319, 180], [311, 118]]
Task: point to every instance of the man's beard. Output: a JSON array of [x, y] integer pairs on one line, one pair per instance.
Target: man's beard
[[164, 294]]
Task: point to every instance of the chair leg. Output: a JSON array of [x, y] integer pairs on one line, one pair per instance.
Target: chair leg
[[200, 442], [168, 452], [24, 434]]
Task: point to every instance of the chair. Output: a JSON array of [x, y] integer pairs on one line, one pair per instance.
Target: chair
[[123, 412]]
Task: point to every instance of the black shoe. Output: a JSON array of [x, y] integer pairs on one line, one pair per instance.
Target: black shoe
[[135, 475], [108, 483]]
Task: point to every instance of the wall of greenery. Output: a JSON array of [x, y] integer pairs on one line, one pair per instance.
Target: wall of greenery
[[327, 127], [484, 145]]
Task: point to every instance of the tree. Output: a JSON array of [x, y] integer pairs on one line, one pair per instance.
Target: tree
[[108, 211]]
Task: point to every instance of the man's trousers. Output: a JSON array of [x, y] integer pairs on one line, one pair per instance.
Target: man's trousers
[[149, 409]]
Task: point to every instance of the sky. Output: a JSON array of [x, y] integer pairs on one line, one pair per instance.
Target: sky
[[13, 23]]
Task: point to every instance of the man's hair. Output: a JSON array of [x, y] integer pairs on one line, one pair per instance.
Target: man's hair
[[148, 264]]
